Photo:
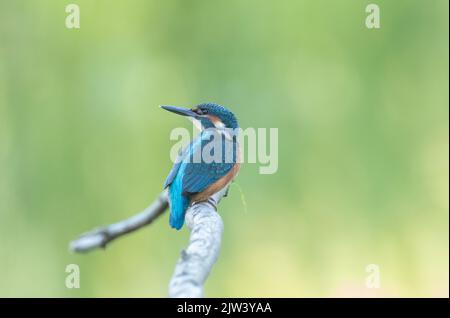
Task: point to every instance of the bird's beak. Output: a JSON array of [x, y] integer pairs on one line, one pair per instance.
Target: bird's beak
[[180, 111]]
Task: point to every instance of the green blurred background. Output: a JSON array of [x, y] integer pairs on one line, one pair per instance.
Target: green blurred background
[[363, 143]]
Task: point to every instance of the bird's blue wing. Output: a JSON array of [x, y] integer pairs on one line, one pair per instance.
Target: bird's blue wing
[[172, 175], [176, 166], [197, 176]]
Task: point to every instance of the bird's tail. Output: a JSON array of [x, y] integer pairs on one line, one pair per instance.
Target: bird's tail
[[178, 206]]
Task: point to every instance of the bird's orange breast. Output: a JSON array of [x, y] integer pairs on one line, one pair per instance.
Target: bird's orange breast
[[216, 186]]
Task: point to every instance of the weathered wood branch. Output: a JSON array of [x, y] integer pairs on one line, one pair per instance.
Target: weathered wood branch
[[101, 236], [196, 261]]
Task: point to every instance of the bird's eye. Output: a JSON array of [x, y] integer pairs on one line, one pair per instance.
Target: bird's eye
[[199, 111]]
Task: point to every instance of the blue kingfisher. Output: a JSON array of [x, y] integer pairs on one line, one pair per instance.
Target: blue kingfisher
[[192, 180]]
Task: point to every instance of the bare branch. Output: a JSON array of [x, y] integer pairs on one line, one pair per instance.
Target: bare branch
[[198, 258], [100, 237], [196, 261]]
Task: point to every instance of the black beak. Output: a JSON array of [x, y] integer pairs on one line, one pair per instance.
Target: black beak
[[180, 111]]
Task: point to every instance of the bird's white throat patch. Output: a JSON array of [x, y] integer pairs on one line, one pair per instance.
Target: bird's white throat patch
[[196, 123], [218, 124]]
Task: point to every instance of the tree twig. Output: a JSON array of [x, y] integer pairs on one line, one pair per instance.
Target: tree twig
[[101, 236], [197, 260]]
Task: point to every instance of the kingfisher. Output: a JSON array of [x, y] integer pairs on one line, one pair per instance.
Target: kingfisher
[[208, 164]]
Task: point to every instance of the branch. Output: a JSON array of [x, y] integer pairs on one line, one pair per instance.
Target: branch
[[197, 259], [100, 237]]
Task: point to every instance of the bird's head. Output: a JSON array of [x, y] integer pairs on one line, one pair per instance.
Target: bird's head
[[209, 115]]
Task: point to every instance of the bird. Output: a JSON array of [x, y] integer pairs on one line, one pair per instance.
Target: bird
[[190, 180]]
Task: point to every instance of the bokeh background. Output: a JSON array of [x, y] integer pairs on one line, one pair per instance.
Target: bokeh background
[[363, 143]]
